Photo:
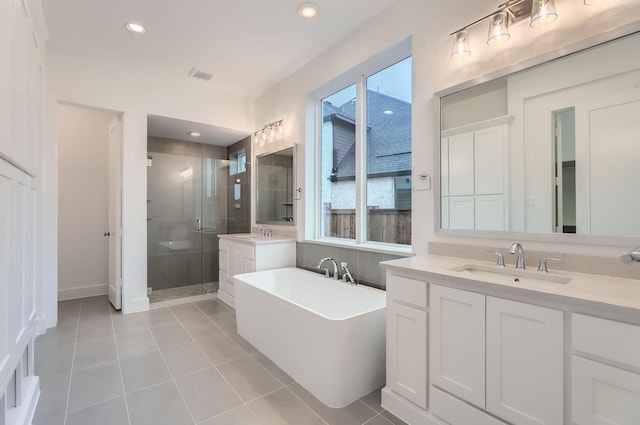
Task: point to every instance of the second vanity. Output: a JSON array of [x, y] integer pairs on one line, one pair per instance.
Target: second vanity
[[468, 343], [250, 252]]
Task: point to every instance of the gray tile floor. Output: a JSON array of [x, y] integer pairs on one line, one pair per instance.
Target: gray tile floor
[[176, 366]]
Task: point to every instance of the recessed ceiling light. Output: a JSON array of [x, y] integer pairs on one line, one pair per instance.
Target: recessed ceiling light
[[308, 10], [194, 134], [135, 28], [387, 112]]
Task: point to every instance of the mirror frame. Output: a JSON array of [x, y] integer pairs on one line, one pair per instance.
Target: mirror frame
[[294, 186], [530, 63]]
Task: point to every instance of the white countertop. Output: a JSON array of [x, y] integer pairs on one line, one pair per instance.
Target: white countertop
[[605, 290], [255, 238]]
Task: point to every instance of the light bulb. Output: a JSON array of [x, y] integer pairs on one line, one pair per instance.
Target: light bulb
[[460, 45]]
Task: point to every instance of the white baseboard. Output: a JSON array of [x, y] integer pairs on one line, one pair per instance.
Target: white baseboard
[[82, 292], [407, 411]]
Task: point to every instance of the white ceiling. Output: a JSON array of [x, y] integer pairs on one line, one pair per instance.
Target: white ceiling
[[249, 45], [172, 128]]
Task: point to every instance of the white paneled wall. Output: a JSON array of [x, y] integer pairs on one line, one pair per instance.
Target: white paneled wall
[[20, 134]]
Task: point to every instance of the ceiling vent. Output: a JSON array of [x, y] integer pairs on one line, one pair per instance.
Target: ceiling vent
[[200, 75]]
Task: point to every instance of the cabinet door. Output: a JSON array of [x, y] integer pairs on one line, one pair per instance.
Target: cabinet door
[[524, 363], [407, 352], [489, 212], [461, 165], [461, 212], [489, 160], [457, 343], [604, 395], [234, 259]]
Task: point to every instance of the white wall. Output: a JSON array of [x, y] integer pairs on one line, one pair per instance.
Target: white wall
[[83, 208], [135, 93], [433, 71]]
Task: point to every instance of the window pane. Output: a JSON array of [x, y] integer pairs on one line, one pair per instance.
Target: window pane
[[389, 154], [338, 165]]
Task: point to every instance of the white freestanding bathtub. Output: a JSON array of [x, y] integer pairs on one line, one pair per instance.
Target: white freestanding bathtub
[[327, 335]]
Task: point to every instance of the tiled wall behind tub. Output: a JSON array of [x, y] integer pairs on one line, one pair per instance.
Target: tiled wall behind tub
[[363, 264]]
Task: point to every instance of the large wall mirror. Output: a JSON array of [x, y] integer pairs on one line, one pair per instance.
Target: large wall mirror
[[275, 187], [551, 149]]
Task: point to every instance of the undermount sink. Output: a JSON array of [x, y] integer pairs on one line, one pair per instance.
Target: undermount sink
[[511, 275]]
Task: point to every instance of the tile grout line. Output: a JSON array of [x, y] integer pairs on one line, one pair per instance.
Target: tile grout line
[[124, 391], [173, 379], [73, 358], [243, 403]]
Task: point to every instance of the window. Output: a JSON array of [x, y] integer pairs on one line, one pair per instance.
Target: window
[[365, 159]]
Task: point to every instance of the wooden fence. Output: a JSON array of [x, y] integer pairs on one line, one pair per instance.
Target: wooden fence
[[384, 225]]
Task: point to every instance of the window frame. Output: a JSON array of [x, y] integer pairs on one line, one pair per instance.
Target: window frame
[[358, 77]]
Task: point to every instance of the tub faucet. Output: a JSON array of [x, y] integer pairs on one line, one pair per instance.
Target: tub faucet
[[326, 271], [516, 248], [346, 277]]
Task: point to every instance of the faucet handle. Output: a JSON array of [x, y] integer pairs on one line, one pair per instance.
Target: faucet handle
[[499, 259], [542, 265]]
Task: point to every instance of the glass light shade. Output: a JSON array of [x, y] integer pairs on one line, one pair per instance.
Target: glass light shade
[[498, 28], [591, 2], [280, 128], [543, 12], [460, 45], [272, 132]]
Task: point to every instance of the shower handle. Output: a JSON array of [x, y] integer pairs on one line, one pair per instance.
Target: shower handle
[[198, 227]]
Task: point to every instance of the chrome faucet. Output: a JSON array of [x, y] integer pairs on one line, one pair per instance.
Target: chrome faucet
[[326, 271], [516, 248], [632, 256], [346, 277]]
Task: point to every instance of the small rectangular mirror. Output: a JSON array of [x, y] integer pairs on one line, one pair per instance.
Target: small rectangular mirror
[[275, 186]]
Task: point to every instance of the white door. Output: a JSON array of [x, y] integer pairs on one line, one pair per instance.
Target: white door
[[607, 158], [115, 213]]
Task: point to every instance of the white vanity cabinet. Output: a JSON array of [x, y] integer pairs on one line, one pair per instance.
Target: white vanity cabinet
[[407, 338], [605, 380], [521, 346], [245, 253]]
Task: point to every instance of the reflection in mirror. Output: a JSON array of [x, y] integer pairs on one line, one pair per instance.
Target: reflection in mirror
[[551, 149], [275, 188]]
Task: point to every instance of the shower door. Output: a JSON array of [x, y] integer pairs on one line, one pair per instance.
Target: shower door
[[184, 205]]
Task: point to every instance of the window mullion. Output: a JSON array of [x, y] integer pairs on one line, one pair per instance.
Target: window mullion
[[361, 163]]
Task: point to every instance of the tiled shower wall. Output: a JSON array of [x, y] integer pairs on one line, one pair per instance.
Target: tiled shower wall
[[239, 210], [198, 262], [363, 264]]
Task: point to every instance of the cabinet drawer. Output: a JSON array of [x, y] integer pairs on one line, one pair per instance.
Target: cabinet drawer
[[407, 291], [223, 260], [615, 341], [603, 395], [456, 412], [249, 252]]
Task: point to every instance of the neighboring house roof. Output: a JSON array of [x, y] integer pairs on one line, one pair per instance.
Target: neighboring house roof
[[388, 136]]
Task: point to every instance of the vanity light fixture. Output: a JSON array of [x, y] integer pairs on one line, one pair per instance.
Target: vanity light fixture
[[135, 27], [461, 46], [269, 131], [543, 12], [540, 12], [498, 28], [194, 134], [308, 10]]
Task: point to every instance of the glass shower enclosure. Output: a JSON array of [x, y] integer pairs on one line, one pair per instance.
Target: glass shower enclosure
[[186, 210]]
